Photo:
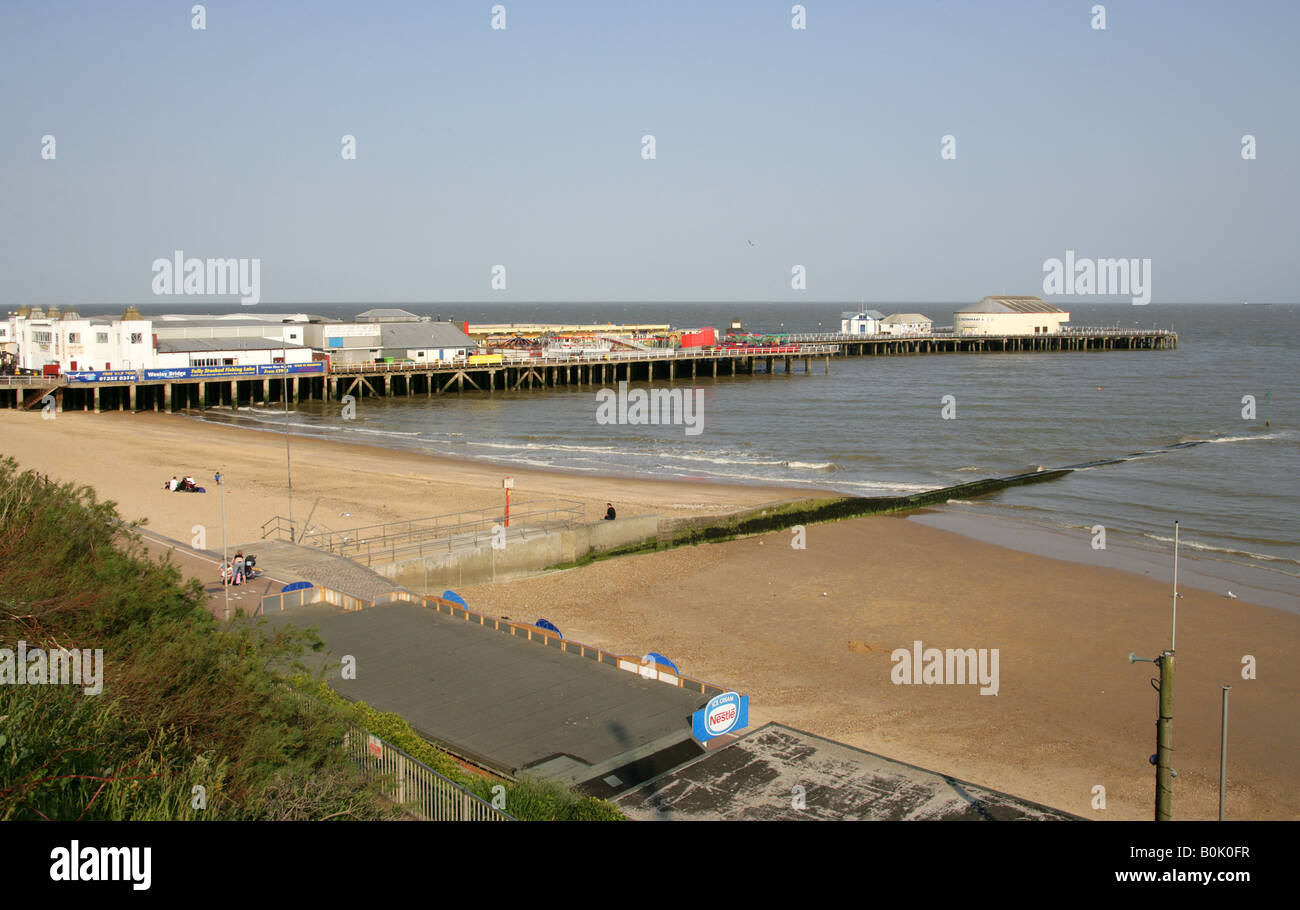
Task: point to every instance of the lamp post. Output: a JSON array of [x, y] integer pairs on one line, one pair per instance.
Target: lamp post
[[225, 551], [1223, 750], [288, 464]]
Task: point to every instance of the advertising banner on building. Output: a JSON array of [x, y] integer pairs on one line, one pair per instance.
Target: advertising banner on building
[[241, 371], [725, 713], [278, 369], [102, 376]]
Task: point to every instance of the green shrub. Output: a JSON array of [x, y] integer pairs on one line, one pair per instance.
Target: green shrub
[[185, 702]]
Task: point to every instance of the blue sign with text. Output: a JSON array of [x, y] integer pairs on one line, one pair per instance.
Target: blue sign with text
[[102, 376], [725, 713]]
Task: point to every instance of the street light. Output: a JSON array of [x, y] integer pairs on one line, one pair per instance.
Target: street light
[[225, 551], [288, 464]]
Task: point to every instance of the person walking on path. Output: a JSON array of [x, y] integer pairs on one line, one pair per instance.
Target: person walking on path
[[239, 567]]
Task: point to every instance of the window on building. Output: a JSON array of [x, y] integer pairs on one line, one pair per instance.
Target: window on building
[[137, 338], [206, 362], [101, 338], [41, 337], [74, 338]]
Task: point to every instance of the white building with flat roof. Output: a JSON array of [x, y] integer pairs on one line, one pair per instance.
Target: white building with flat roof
[[906, 324], [180, 353], [1010, 315]]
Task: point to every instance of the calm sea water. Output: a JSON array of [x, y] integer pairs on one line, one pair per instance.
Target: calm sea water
[[873, 425]]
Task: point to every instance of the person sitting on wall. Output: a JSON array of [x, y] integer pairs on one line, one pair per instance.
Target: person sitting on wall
[[609, 511]]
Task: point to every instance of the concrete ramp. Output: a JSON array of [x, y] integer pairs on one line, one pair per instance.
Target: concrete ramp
[[297, 563]]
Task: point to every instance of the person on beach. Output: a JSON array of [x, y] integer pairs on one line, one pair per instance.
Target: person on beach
[[609, 511], [173, 483]]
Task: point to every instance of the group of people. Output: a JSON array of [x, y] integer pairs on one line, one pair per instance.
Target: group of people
[[239, 569], [185, 484]]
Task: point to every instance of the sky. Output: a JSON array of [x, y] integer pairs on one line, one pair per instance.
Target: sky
[[775, 149]]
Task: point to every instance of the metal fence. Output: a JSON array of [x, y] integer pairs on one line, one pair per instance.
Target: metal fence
[[516, 360], [412, 784], [405, 780], [444, 532], [29, 382]]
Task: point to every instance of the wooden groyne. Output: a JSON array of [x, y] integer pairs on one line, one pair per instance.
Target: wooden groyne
[[766, 519], [492, 373]]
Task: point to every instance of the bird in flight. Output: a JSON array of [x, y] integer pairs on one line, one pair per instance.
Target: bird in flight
[[750, 242]]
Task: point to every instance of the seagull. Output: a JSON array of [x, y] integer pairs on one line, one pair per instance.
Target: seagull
[[750, 242], [1233, 596]]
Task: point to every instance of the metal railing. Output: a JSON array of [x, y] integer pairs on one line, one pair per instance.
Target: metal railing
[[411, 783], [439, 533], [20, 382], [517, 360], [281, 527], [370, 554], [406, 780], [946, 332]]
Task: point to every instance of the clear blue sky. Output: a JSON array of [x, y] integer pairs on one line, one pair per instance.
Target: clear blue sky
[[522, 147]]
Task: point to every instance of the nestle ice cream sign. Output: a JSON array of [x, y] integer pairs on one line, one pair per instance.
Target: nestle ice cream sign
[[724, 713]]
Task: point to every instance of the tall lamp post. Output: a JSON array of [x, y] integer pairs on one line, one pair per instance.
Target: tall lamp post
[[225, 551], [288, 465]]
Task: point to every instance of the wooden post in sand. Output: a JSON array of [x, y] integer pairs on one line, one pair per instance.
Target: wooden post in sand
[[1223, 750], [1165, 739]]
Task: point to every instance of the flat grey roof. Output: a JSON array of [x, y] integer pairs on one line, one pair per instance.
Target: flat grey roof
[[754, 779], [228, 343], [501, 699], [383, 314], [414, 335]]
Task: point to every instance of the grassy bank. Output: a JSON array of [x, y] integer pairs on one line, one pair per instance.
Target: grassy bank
[[191, 719]]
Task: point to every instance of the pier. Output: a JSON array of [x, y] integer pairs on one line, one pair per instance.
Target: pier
[[137, 391]]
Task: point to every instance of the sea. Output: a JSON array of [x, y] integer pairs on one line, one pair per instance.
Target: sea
[[1191, 451]]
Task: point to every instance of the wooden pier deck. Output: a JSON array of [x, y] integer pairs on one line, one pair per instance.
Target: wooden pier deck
[[513, 373]]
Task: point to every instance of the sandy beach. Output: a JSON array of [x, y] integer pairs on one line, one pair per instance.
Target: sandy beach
[[807, 633], [128, 456]]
